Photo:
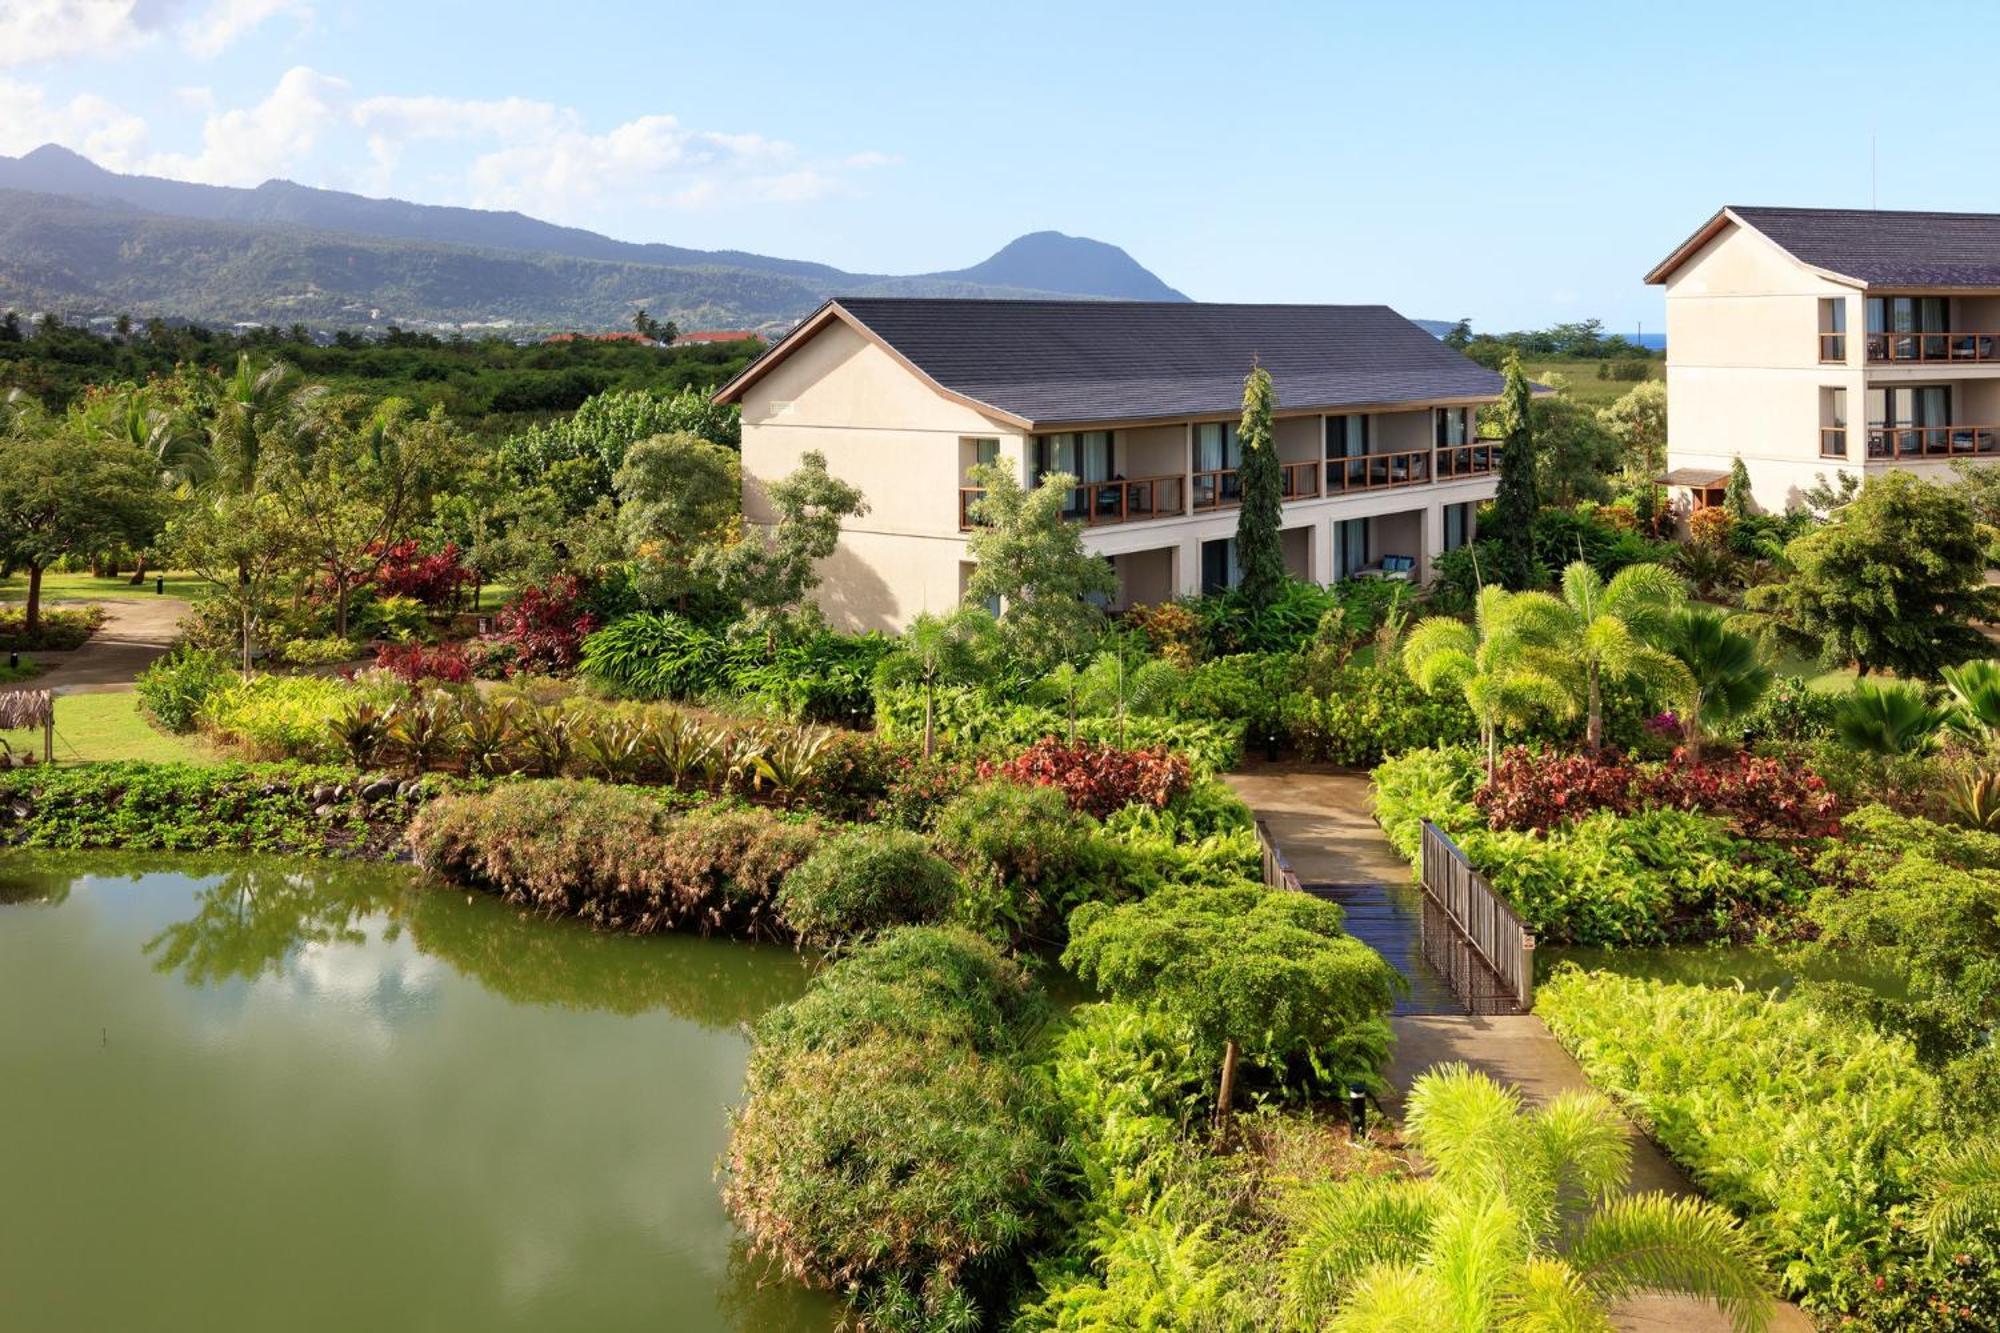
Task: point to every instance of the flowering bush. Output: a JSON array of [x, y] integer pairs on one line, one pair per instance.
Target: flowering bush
[[547, 626], [1709, 527], [1762, 797], [413, 662], [1174, 631], [438, 580], [1097, 779]]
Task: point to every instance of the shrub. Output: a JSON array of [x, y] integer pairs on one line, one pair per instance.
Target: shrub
[[1561, 536], [822, 677], [1360, 715], [547, 625], [970, 722], [202, 807], [1173, 631], [1024, 853], [1761, 797], [891, 1147], [62, 628], [1244, 687], [615, 857], [1815, 1131], [1435, 785], [279, 717], [414, 662], [1655, 877], [319, 652], [437, 580], [174, 688], [863, 882], [1097, 779], [654, 655], [1266, 971], [389, 617]]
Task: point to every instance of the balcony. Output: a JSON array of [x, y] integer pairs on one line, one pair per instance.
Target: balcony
[[1927, 349], [1102, 503], [1902, 442]]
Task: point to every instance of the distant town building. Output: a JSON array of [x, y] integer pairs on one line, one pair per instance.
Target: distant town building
[[721, 336]]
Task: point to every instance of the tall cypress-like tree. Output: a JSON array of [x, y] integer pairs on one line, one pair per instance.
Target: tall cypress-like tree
[[1517, 500], [1259, 550]]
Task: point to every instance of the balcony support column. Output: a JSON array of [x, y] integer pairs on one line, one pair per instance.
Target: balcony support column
[[1433, 540]]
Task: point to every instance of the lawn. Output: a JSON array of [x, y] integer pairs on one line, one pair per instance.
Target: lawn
[[100, 727], [65, 587], [1584, 386]]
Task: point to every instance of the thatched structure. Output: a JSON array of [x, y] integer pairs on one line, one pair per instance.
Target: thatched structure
[[21, 710]]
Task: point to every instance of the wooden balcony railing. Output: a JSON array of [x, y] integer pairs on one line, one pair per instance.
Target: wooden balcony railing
[[1833, 441], [1468, 460], [1172, 494], [1833, 349], [1367, 472], [1299, 481], [1930, 441], [1928, 348], [1216, 488], [1121, 501]]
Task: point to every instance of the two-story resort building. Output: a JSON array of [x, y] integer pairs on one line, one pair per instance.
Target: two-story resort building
[[1807, 341], [1139, 400]]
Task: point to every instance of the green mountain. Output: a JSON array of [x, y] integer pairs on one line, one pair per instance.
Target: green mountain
[[80, 239]]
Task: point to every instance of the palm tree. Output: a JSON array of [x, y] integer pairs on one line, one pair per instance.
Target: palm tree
[[250, 400], [170, 438], [1975, 689], [1491, 661], [1961, 1196], [1728, 673], [939, 650], [1609, 637], [1520, 1225], [1124, 679], [1891, 719]]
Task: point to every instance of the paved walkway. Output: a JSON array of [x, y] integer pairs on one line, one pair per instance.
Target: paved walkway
[[1323, 820], [136, 630]]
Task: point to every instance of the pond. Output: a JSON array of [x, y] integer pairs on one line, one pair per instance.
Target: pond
[[272, 1094]]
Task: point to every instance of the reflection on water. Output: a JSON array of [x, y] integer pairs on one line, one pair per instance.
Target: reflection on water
[[331, 1096]]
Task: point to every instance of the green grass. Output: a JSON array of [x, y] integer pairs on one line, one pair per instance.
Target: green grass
[[94, 728], [68, 587], [27, 671], [1584, 386]]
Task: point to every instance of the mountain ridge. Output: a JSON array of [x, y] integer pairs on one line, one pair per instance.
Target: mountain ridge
[[328, 255]]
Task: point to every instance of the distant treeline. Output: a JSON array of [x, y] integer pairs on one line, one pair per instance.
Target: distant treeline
[[489, 384], [1585, 340]]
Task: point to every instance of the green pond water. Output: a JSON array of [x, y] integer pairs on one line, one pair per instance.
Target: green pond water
[[255, 1094]]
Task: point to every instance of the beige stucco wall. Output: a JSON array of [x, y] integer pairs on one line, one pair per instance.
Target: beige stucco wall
[[1144, 577], [1398, 432], [1743, 369], [1297, 544], [1300, 439], [1151, 451]]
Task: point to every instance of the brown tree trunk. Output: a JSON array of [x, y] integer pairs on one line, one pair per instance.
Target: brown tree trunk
[[246, 640], [31, 621], [1226, 1093]]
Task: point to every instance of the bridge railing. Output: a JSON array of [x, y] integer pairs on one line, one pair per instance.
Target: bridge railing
[[1278, 872], [1471, 934]]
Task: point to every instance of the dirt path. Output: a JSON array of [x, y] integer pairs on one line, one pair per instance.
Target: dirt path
[[1324, 821], [136, 630]]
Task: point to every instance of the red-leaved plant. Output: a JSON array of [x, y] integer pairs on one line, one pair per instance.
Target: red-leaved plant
[[1763, 798], [413, 662], [438, 579], [1097, 779], [547, 625]]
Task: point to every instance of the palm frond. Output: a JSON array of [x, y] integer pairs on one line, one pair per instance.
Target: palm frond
[[1690, 1247], [1583, 1136], [1548, 1296], [1961, 1196], [1396, 1298], [1346, 1228]]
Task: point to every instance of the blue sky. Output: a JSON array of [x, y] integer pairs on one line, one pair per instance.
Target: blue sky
[[1515, 163]]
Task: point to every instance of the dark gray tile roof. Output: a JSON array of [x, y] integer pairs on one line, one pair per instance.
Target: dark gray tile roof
[[1888, 249], [1106, 361]]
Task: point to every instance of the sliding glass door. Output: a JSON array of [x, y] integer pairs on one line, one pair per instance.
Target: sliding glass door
[[1346, 440], [1085, 455], [1907, 328], [1217, 456], [1910, 421]]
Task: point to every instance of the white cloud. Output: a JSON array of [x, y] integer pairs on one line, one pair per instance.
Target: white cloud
[[89, 124], [214, 30], [869, 160], [36, 31], [277, 137]]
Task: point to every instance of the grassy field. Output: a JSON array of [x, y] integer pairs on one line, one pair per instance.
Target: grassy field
[[1584, 386], [102, 727], [66, 587]]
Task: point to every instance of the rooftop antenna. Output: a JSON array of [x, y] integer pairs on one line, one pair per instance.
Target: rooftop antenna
[[1872, 205]]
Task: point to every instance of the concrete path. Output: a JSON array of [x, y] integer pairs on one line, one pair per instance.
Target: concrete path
[[1323, 819], [136, 630]]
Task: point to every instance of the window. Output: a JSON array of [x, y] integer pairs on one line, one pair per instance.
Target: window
[[1458, 521], [1908, 422], [1219, 570], [1350, 547], [1898, 325], [985, 451], [1217, 455], [1833, 423], [1085, 455], [1346, 437], [1833, 329], [1454, 426]]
